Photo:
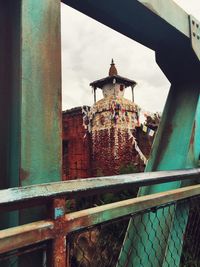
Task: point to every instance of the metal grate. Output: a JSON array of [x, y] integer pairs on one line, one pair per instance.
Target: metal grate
[[176, 224]]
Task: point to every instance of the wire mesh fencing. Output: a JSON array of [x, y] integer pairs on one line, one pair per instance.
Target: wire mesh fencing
[[97, 246], [191, 247], [163, 236], [167, 235]]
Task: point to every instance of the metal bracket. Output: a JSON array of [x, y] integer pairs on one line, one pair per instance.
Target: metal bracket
[[195, 35]]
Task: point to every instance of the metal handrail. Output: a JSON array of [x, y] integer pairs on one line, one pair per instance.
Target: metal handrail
[[11, 198], [33, 233]]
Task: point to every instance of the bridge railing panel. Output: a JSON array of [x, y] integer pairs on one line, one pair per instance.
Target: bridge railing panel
[[94, 236]]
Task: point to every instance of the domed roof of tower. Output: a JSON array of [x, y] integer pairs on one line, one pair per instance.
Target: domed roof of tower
[[112, 78], [112, 70]]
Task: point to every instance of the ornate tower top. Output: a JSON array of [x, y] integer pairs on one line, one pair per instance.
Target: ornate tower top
[[112, 70], [113, 85]]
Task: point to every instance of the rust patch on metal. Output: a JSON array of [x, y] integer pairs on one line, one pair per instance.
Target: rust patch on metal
[[23, 174], [29, 234], [163, 145], [58, 247], [193, 134], [74, 224]]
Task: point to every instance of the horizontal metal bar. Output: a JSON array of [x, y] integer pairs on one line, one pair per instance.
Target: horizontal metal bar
[[12, 197], [155, 24], [163, 26], [33, 233], [25, 235], [22, 251], [85, 218], [170, 12]]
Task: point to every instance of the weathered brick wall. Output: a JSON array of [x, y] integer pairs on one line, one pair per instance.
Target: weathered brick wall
[[107, 151], [76, 146], [112, 151]]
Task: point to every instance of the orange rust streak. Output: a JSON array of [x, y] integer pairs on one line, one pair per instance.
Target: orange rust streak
[[59, 252], [193, 134]]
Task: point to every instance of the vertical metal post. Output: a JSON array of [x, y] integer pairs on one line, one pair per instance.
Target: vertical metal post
[[40, 157], [95, 99], [30, 100], [40, 116], [9, 99], [132, 90], [56, 254]]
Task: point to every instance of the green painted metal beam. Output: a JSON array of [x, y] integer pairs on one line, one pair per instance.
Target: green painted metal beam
[[149, 22], [160, 25], [30, 98], [40, 114], [26, 196], [9, 98]]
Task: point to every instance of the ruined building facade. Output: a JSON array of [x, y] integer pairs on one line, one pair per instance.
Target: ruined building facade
[[107, 138]]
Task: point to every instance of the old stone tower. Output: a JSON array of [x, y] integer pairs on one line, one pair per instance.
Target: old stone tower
[[106, 138], [114, 120]]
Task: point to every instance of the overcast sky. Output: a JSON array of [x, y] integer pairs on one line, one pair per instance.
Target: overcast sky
[[87, 50]]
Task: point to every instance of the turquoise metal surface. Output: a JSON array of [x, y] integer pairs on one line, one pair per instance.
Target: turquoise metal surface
[[40, 92], [9, 100], [40, 114], [30, 98]]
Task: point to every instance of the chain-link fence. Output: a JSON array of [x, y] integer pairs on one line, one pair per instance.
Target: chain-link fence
[[146, 235], [191, 247], [97, 246], [167, 235]]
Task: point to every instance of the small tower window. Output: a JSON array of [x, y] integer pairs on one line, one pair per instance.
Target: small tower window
[[121, 87]]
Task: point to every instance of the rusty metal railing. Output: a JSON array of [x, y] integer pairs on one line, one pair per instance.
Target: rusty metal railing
[[52, 234], [103, 245]]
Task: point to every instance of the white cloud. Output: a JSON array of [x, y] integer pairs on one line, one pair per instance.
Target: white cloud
[[87, 49]]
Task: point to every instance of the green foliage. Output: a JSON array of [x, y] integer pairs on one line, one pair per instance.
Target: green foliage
[[129, 168]]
